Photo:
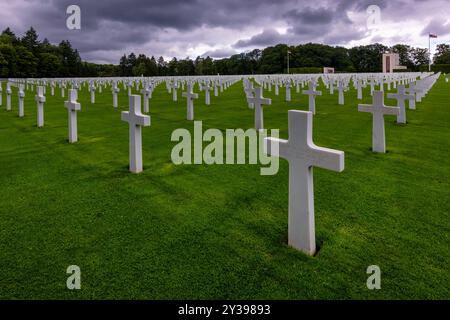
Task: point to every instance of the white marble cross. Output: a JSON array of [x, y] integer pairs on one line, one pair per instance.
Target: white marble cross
[[249, 93], [288, 90], [378, 110], [115, 90], [146, 92], [359, 89], [401, 96], [130, 85], [341, 92], [190, 96], [8, 96], [302, 155], [174, 91], [207, 90], [312, 93], [72, 107], [136, 121], [40, 99], [258, 101], [21, 101], [92, 90], [412, 92]]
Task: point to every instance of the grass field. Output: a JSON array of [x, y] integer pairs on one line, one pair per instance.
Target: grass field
[[220, 231]]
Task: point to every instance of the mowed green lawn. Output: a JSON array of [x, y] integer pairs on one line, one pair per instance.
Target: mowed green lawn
[[220, 231]]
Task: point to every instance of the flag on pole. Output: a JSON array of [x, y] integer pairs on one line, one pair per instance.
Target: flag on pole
[[433, 35]]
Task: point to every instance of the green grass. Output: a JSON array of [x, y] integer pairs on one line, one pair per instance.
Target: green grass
[[220, 231]]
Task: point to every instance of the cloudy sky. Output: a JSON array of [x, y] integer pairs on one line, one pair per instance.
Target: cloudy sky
[[219, 28]]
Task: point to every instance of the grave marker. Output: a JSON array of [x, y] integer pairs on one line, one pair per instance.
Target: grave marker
[[72, 107], [312, 93], [190, 96], [401, 96], [378, 110], [136, 121], [21, 95], [302, 155], [40, 99], [258, 101]]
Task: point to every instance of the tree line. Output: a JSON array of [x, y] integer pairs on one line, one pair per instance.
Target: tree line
[[27, 56]]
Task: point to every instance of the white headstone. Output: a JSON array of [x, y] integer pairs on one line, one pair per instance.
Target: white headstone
[[412, 92], [174, 91], [8, 96], [72, 107], [341, 93], [40, 99], [92, 90], [258, 101], [302, 155], [115, 90], [359, 89], [21, 101], [312, 93], [378, 110], [401, 96], [207, 89], [288, 90], [136, 121], [146, 95], [190, 96]]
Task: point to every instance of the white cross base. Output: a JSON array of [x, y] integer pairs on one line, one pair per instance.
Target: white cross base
[[302, 154]]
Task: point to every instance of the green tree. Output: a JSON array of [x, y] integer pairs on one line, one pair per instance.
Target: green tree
[[26, 63], [420, 57], [442, 55], [30, 41], [368, 58], [8, 65]]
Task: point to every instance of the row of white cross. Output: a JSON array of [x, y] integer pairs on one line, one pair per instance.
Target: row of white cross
[[300, 150], [302, 154]]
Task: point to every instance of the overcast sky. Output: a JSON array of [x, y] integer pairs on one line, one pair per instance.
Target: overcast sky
[[189, 28]]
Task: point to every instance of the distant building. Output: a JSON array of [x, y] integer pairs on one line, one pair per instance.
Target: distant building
[[327, 70], [391, 62]]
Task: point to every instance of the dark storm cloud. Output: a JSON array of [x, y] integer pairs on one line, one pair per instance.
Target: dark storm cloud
[[311, 16], [267, 37], [439, 27], [219, 53]]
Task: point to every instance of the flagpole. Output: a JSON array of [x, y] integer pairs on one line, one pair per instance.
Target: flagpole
[[288, 61], [429, 52]]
